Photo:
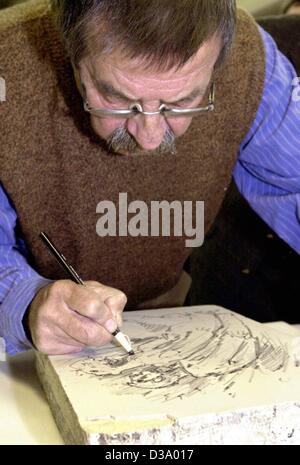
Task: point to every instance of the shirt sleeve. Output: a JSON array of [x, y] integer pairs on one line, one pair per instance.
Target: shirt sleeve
[[18, 281], [267, 172]]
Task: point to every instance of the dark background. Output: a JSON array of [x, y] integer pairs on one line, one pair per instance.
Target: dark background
[[6, 3]]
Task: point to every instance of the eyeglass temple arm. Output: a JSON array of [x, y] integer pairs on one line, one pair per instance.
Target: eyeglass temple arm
[[104, 112]]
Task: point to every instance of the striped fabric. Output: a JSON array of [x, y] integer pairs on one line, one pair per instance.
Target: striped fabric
[[268, 169], [18, 281], [267, 173]]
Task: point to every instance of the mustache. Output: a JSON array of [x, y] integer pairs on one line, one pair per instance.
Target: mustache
[[121, 139]]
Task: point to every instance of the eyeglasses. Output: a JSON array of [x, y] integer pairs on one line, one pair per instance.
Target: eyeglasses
[[137, 109]]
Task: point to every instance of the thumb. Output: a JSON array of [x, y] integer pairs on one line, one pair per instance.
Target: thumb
[[116, 311]]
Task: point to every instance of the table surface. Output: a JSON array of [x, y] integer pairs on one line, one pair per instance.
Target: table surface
[[25, 416]]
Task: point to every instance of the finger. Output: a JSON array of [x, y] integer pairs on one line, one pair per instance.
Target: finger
[[53, 339], [86, 302], [117, 298], [113, 298], [116, 305], [73, 330], [87, 332]]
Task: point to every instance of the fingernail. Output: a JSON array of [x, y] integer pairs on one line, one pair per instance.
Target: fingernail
[[111, 326]]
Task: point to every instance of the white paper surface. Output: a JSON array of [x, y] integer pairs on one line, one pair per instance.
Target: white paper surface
[[188, 362]]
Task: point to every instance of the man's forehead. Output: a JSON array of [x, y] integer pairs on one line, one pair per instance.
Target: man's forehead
[[115, 74], [202, 61]]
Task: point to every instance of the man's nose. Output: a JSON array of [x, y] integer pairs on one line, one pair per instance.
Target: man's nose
[[148, 130]]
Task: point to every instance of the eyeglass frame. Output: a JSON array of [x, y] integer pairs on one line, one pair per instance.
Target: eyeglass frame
[[137, 109]]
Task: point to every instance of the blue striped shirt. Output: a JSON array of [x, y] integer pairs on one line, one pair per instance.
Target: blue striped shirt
[[267, 174]]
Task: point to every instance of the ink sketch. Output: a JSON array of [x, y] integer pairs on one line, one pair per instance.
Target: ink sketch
[[196, 358], [186, 356]]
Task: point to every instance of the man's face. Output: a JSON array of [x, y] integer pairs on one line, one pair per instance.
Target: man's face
[[114, 82]]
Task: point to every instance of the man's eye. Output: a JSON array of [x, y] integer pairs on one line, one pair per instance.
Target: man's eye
[[185, 104], [110, 100], [116, 101]]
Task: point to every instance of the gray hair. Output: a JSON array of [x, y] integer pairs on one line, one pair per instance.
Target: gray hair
[[165, 34]]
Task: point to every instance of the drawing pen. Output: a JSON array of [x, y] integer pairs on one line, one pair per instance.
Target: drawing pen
[[120, 337]]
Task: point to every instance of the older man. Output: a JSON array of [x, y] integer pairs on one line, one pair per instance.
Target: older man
[[159, 100]]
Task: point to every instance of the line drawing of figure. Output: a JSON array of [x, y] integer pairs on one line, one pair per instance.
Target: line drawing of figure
[[189, 354]]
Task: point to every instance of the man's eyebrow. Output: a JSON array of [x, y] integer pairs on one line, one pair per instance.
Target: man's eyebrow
[[190, 97], [107, 89]]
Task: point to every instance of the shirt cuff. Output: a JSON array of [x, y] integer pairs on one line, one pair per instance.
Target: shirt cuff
[[12, 312]]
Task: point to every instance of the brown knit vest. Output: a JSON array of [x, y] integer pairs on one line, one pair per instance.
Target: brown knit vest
[[56, 171]]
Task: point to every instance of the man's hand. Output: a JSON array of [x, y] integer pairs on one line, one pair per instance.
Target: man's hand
[[65, 317]]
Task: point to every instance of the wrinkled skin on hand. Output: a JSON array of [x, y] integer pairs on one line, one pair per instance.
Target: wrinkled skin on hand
[[65, 317]]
